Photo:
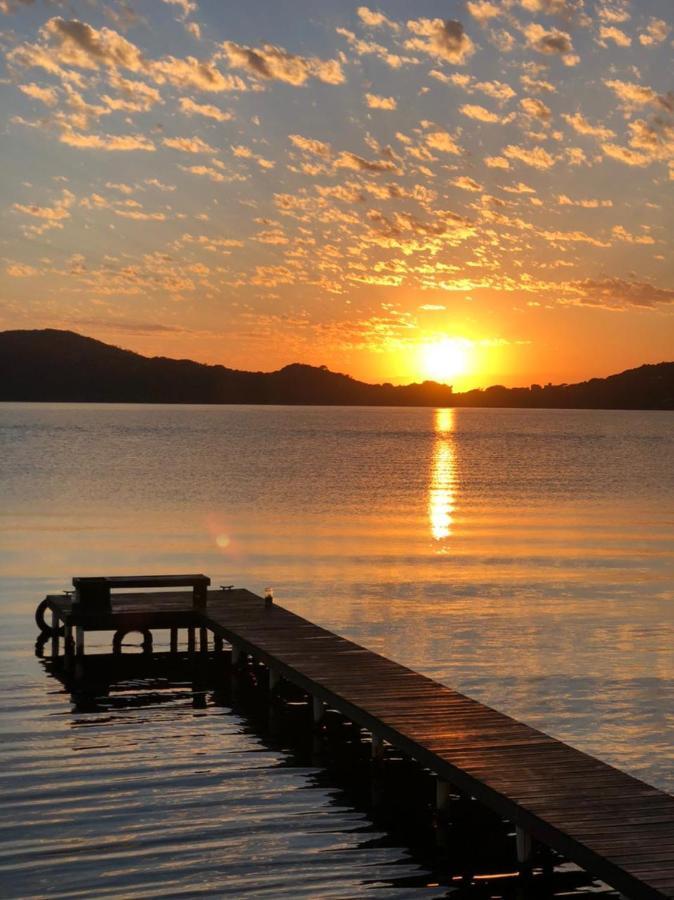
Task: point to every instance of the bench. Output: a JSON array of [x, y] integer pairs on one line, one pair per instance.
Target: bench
[[93, 594]]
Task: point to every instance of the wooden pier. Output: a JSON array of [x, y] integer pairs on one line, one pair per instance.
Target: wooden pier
[[611, 824]]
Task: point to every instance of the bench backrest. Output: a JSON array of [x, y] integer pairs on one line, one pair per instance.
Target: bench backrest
[[94, 592]]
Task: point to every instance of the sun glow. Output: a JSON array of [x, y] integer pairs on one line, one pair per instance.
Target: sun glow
[[445, 359]]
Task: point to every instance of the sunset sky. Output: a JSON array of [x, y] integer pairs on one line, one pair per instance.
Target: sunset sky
[[475, 191]]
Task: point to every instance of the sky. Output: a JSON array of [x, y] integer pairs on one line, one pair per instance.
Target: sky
[[477, 191]]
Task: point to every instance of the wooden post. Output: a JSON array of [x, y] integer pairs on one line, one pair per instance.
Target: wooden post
[[200, 596], [377, 746], [174, 640], [217, 643], [237, 655], [317, 710], [441, 794], [274, 680], [68, 646], [190, 639], [79, 640], [524, 846], [203, 639], [54, 635]]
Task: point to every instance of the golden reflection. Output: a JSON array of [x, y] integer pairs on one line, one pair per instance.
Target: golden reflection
[[442, 491]]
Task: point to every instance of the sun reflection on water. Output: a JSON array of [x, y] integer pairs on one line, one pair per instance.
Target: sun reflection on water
[[442, 490]]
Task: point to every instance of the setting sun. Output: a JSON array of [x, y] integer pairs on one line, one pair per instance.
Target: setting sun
[[445, 359]]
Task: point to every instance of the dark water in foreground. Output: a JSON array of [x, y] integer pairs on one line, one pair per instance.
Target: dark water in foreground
[[524, 557]]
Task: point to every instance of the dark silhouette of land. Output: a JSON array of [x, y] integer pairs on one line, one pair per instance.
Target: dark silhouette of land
[[51, 365]]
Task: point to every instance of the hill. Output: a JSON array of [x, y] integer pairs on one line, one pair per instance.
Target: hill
[[52, 365]]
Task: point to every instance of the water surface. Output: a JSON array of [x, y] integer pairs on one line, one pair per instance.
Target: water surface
[[522, 556]]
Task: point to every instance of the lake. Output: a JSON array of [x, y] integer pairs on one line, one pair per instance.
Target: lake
[[525, 557]]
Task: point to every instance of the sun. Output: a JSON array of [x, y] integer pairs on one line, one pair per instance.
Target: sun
[[445, 358]]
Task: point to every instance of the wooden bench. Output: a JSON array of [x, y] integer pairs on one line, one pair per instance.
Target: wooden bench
[[94, 594]]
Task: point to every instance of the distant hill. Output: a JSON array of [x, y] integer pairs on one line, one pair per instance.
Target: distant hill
[[52, 365]]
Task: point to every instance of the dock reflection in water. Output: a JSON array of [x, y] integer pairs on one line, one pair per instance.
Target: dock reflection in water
[[173, 778]]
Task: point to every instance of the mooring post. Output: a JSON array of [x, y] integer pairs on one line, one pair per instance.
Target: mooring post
[[54, 635], [174, 640], [79, 640], [441, 794], [524, 846], [317, 710], [377, 746]]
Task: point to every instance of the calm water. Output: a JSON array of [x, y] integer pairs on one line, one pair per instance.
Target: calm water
[[524, 557]]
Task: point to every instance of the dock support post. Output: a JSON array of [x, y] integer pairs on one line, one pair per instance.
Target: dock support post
[[441, 795], [317, 710], [174, 641], [190, 640], [524, 846], [68, 646], [203, 639], [54, 635], [217, 643], [79, 640], [237, 656], [377, 746], [274, 680]]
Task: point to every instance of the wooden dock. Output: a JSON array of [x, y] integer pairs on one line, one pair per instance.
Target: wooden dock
[[613, 825]]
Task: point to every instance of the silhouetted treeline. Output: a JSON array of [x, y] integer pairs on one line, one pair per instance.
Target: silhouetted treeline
[[51, 365]]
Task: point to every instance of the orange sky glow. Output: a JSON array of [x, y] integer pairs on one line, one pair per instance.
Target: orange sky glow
[[473, 191]]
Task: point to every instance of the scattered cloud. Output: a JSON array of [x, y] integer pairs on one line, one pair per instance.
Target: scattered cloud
[[191, 108], [274, 63], [374, 101], [443, 39]]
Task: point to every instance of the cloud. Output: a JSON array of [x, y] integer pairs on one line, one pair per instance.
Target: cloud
[[374, 19], [46, 95], [376, 102], [141, 215], [620, 293], [467, 184], [20, 270], [49, 216], [536, 157], [634, 95], [479, 113], [622, 234], [615, 11], [190, 108], [188, 145], [445, 40], [275, 63], [536, 109], [656, 32], [483, 10], [581, 125], [348, 160], [496, 162], [243, 152], [122, 142], [187, 7], [550, 41], [625, 155], [589, 203], [74, 43], [311, 145], [441, 140], [611, 33]]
